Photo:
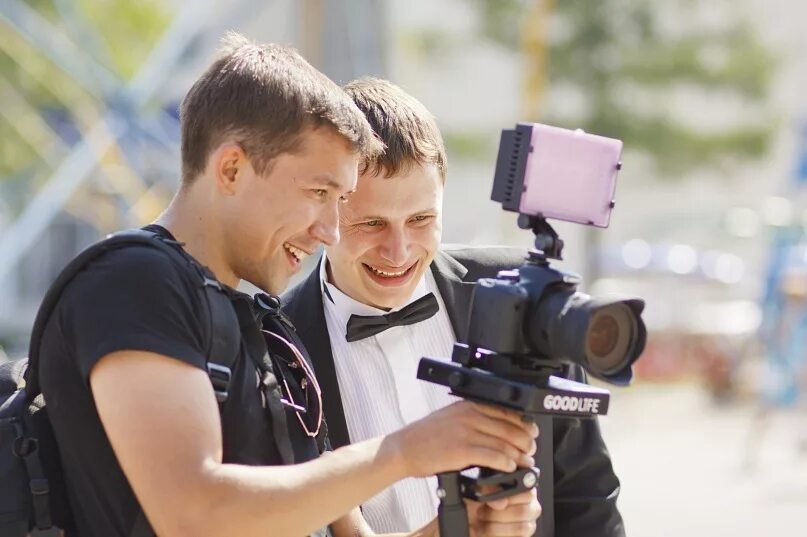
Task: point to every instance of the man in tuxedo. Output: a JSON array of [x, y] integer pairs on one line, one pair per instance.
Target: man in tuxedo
[[390, 261]]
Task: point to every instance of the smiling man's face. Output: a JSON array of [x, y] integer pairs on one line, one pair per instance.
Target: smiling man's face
[[390, 230], [275, 220]]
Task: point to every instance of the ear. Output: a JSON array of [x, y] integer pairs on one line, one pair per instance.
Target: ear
[[230, 166]]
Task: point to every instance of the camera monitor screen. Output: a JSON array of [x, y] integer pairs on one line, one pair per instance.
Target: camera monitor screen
[[557, 173]]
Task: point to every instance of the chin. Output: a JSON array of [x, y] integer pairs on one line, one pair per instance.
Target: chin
[[276, 288], [392, 300], [270, 284]]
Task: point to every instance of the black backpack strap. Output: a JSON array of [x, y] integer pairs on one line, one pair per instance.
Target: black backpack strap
[[271, 305], [323, 442], [270, 386], [219, 360], [27, 449], [217, 322], [273, 395]]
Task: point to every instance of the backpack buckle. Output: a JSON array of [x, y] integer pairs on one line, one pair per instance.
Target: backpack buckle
[[220, 379], [210, 282], [23, 446], [39, 486]]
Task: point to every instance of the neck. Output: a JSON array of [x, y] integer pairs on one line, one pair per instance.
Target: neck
[[190, 218]]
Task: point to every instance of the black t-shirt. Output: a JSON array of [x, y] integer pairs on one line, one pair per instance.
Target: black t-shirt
[[138, 298]]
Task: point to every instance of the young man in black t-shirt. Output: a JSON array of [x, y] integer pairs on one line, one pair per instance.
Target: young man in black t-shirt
[[269, 149]]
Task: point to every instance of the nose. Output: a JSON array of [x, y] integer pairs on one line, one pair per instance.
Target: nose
[[326, 227], [395, 249]]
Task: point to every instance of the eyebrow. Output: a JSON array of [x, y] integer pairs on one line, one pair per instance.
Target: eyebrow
[[431, 210], [327, 180]]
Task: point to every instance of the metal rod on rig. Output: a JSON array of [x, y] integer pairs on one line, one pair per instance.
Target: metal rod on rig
[[452, 514]]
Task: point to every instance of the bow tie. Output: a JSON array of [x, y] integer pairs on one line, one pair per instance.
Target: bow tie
[[364, 326]]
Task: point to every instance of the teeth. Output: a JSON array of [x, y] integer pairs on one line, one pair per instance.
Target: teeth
[[387, 274], [296, 252]]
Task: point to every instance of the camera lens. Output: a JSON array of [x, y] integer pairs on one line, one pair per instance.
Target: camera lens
[[603, 335], [610, 338]]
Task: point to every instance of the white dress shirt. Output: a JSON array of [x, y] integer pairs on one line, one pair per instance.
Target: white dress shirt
[[381, 392]]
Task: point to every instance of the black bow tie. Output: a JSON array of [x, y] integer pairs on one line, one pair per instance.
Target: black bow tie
[[364, 326]]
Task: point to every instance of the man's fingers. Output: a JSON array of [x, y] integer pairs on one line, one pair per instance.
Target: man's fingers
[[505, 529], [501, 503], [473, 508], [497, 444], [512, 416], [505, 431], [517, 499], [498, 505], [524, 512], [491, 457], [523, 497]]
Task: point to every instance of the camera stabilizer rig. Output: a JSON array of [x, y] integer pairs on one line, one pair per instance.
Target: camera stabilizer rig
[[529, 327], [522, 383]]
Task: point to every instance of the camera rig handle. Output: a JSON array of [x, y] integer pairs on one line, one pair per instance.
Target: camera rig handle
[[453, 487], [534, 391], [452, 515], [509, 483]]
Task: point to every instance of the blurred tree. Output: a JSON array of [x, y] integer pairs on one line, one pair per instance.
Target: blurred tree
[[632, 67], [52, 109], [662, 77]]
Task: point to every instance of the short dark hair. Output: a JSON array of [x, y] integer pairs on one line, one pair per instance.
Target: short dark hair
[[264, 96], [406, 127]]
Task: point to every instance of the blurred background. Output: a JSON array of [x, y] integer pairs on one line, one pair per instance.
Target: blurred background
[[709, 98]]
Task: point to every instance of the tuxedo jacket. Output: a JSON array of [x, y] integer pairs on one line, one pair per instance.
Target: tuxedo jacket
[[577, 486]]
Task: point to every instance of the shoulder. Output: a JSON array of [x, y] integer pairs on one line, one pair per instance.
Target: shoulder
[[141, 261], [138, 298], [134, 271], [134, 257], [483, 260]]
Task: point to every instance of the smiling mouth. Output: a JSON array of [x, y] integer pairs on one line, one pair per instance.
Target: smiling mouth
[[389, 277], [294, 251]]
